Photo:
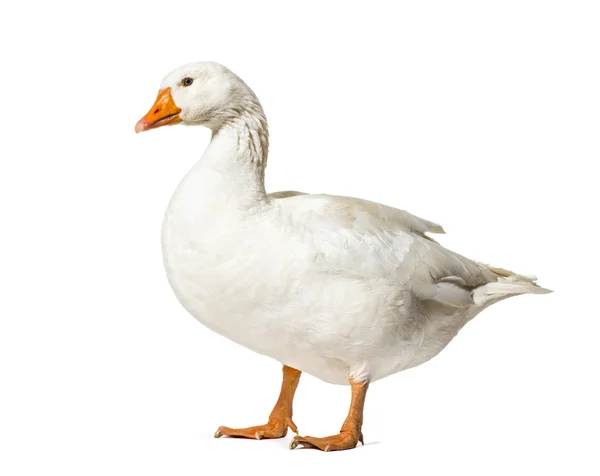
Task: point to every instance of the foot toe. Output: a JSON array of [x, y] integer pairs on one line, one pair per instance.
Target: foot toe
[[329, 443], [268, 431]]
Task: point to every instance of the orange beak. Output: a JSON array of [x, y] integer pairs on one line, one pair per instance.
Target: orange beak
[[162, 113]]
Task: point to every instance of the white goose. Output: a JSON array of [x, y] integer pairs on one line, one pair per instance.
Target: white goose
[[347, 290]]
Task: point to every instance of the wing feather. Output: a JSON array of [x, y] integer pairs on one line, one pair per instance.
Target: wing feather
[[369, 239]]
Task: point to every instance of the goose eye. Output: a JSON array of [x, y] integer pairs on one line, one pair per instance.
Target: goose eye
[[185, 82]]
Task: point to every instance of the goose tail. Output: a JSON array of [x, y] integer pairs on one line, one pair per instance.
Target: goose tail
[[508, 284]]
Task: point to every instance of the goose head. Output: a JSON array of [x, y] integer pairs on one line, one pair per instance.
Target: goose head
[[203, 93]]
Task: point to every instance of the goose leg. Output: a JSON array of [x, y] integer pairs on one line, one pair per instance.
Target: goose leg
[[350, 434], [280, 418]]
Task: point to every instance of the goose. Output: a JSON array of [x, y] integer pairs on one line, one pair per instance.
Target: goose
[[347, 290]]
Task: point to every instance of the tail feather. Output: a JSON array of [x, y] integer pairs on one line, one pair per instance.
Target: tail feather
[[453, 291], [508, 284]]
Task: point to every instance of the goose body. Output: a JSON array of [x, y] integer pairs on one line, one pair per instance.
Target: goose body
[[345, 289]]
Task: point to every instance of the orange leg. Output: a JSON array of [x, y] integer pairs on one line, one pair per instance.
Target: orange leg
[[280, 418], [350, 434]]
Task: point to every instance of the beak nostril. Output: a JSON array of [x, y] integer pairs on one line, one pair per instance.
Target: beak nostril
[[156, 111]]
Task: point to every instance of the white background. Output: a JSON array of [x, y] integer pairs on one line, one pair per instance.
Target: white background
[[482, 116]]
